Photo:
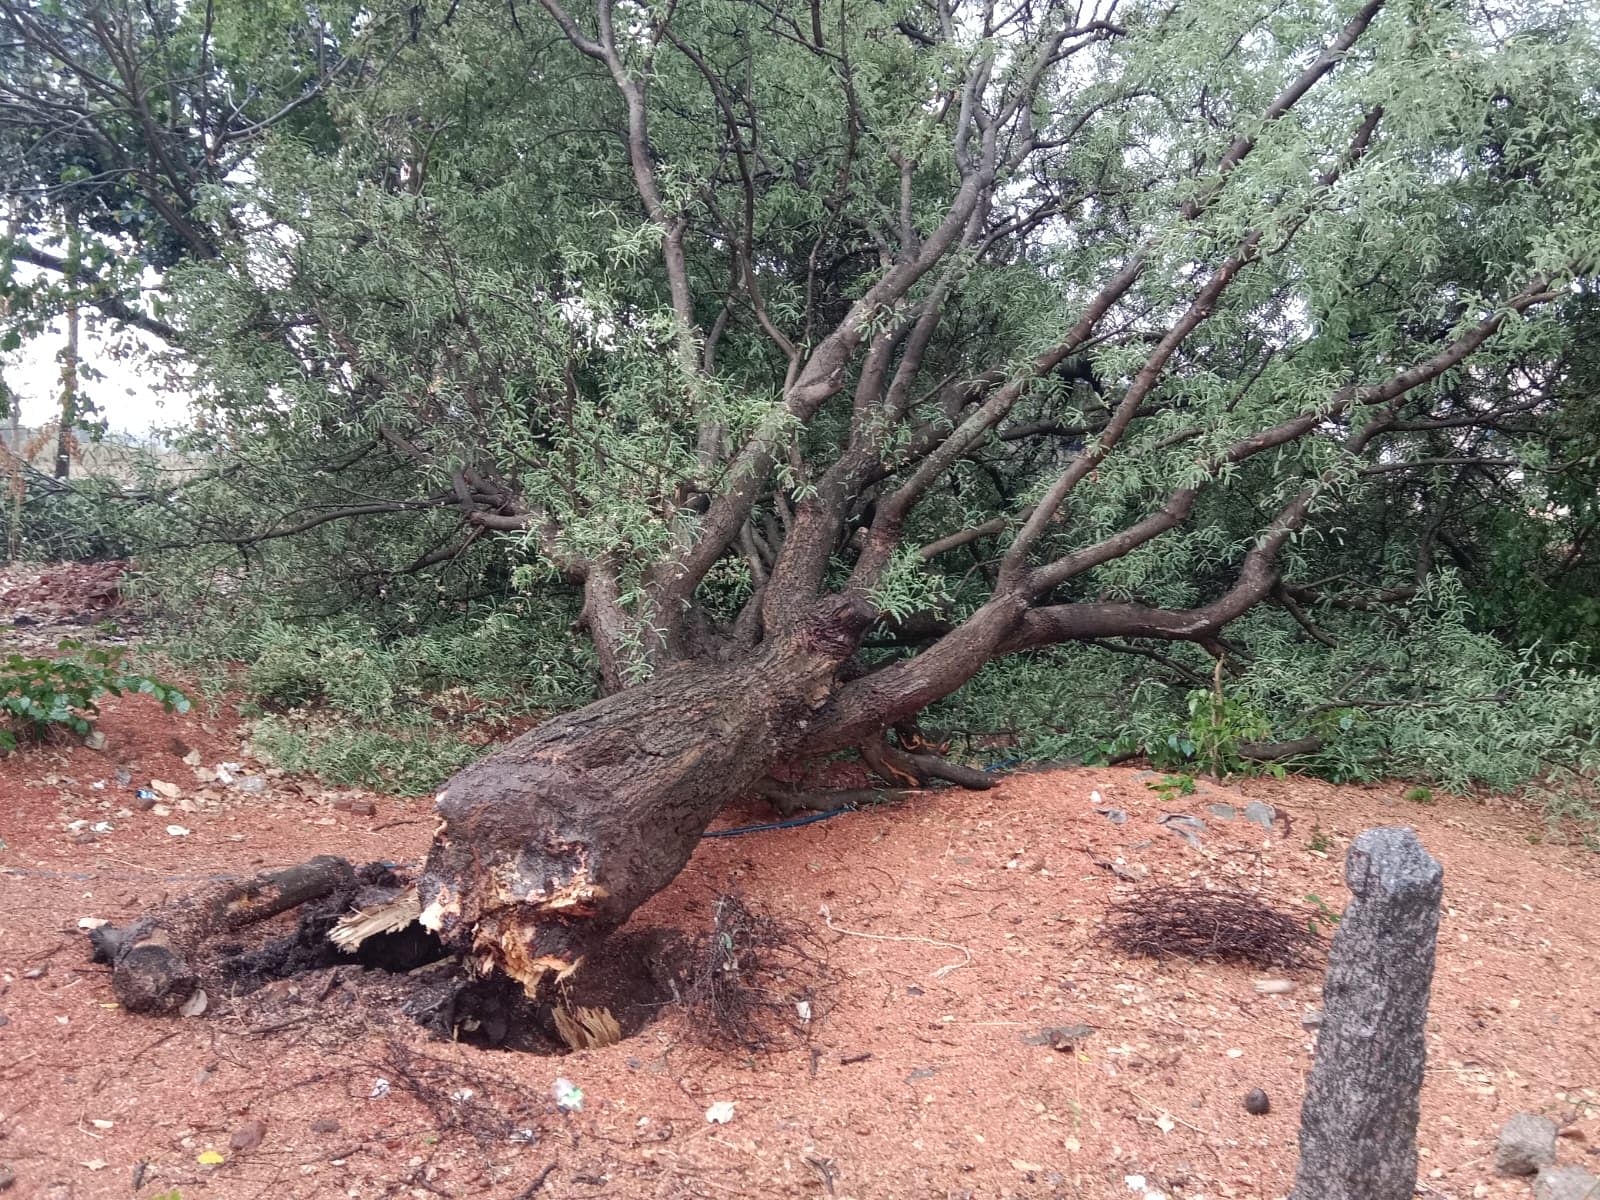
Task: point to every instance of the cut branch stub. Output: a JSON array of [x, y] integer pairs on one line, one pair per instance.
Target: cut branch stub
[[550, 843]]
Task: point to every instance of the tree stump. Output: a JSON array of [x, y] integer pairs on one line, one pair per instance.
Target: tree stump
[[1358, 1125]]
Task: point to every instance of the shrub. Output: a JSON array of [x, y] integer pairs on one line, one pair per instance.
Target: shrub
[[39, 695]]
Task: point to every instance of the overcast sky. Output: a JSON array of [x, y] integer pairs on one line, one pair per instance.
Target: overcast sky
[[129, 395]]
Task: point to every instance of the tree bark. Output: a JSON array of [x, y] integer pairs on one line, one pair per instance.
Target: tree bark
[[69, 395], [549, 844], [154, 961]]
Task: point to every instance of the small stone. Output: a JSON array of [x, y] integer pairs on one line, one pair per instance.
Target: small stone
[[1311, 1019], [193, 758], [95, 740], [36, 972], [1274, 987], [1222, 812], [324, 1125], [1256, 1102], [248, 1136], [1565, 1183], [1261, 814], [1527, 1143], [144, 803], [1187, 827], [86, 838], [170, 790], [253, 785], [7, 1177]]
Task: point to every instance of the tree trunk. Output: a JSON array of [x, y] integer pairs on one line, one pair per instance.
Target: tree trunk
[[69, 393], [549, 844]]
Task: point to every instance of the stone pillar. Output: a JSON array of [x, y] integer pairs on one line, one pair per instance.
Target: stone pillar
[[1358, 1125]]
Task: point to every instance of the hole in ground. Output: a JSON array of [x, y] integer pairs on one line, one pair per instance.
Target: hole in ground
[[410, 970]]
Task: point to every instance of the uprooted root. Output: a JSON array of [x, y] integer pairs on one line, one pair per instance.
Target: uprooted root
[[751, 981], [1201, 923]]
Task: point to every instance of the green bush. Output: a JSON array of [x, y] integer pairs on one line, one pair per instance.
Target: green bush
[[38, 695], [410, 757]]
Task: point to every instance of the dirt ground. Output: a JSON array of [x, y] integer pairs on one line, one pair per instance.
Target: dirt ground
[[958, 930]]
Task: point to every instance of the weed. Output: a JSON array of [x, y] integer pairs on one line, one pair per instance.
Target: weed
[[1324, 914], [1419, 795], [38, 695], [1320, 842], [1170, 787]]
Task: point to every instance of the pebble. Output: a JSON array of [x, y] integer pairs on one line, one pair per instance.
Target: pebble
[[1565, 1183], [1256, 1102], [1527, 1144]]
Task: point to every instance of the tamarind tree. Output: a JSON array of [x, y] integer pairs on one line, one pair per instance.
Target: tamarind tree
[[827, 353]]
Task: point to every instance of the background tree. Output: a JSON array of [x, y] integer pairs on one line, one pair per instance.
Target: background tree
[[827, 357]]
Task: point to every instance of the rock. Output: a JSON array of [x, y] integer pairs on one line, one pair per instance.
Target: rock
[[324, 1125], [1260, 814], [1358, 1124], [1256, 1103], [252, 785], [1187, 827], [1565, 1183], [1527, 1143], [248, 1136], [7, 1177], [170, 790], [1115, 815], [144, 803], [359, 808], [1222, 812], [1274, 987], [1311, 1019], [95, 740]]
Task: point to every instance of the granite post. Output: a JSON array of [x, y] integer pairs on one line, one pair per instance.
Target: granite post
[[1358, 1125]]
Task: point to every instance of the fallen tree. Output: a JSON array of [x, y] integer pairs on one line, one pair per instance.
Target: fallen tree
[[839, 357]]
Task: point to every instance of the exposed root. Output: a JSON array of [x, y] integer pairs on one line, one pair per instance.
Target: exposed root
[[966, 960], [918, 768], [787, 800], [749, 980], [1199, 923]]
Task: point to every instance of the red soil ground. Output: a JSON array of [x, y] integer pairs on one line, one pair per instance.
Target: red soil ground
[[981, 910]]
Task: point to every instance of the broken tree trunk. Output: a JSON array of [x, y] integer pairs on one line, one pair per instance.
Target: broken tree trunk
[[550, 843], [154, 960]]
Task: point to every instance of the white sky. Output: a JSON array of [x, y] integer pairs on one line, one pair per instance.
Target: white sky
[[130, 396]]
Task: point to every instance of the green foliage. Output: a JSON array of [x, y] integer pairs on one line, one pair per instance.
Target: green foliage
[[409, 755], [422, 302], [398, 704], [1324, 915], [41, 694], [1419, 795], [1418, 695], [1169, 787]]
